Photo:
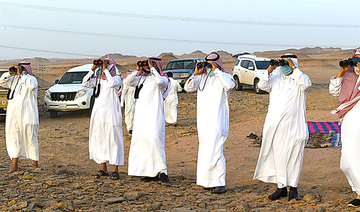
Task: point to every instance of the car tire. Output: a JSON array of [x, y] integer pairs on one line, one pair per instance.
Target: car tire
[[238, 86], [53, 114], [256, 86]]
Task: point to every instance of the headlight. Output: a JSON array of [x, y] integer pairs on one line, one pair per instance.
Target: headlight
[[48, 94], [183, 75], [80, 93]]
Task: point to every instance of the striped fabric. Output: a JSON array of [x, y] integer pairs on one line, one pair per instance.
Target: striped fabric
[[323, 127]]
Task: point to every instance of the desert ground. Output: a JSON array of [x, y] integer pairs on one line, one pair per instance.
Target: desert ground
[[65, 181]]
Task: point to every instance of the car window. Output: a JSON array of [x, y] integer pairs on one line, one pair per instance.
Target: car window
[[262, 64], [244, 63], [251, 64], [183, 64], [72, 77], [237, 62]]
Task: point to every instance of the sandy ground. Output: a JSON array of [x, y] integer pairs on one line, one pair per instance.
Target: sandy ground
[[65, 181]]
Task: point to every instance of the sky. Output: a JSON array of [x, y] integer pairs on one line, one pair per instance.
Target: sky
[[87, 29]]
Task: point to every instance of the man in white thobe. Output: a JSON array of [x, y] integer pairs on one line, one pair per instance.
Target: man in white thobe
[[346, 85], [147, 150], [22, 116], [171, 101], [128, 101], [213, 86], [285, 132], [106, 143]]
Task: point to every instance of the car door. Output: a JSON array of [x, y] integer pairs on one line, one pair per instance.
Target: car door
[[244, 71], [250, 73]]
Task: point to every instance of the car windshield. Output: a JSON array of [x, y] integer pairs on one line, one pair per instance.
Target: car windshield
[[73, 77], [262, 64], [182, 64]]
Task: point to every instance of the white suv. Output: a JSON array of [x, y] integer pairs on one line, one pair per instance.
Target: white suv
[[248, 69], [68, 94]]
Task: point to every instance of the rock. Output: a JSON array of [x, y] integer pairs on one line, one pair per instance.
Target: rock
[[309, 197], [262, 209], [156, 206], [114, 200], [320, 208], [21, 205], [186, 182], [11, 203], [243, 208], [134, 195], [181, 210], [52, 183], [222, 202]]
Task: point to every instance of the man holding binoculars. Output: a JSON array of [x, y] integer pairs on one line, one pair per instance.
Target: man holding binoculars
[[22, 119], [147, 150], [346, 86], [285, 130], [213, 85], [106, 142]]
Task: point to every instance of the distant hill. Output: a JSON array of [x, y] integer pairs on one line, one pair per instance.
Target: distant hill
[[120, 56], [167, 57]]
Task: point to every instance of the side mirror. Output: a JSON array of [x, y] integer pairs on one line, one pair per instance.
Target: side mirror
[[56, 81], [251, 68]]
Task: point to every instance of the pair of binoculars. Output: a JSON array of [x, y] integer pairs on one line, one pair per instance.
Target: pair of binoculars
[[203, 65], [281, 62], [350, 62], [98, 62], [143, 63], [13, 70]]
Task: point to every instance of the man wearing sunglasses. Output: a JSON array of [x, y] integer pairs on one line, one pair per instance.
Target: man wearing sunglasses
[[213, 85], [22, 119]]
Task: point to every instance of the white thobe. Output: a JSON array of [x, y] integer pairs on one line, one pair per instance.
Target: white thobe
[[285, 132], [350, 139], [22, 117], [147, 149], [106, 143], [212, 125], [171, 102], [128, 101]]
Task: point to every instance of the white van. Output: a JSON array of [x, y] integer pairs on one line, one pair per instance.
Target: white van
[[68, 94], [248, 69]]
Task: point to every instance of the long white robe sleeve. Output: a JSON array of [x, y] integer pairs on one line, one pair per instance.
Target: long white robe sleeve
[[22, 117], [285, 130], [147, 149], [212, 125], [106, 142], [128, 101], [350, 137], [171, 102]]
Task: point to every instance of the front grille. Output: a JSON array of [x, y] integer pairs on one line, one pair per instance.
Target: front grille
[[63, 96]]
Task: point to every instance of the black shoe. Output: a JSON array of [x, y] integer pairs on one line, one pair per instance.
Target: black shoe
[[130, 132], [163, 178], [293, 194], [252, 136], [208, 188], [280, 192], [354, 203], [218, 190], [148, 179]]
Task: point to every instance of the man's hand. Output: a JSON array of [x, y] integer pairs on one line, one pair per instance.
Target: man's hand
[[198, 71], [94, 67], [343, 70], [213, 66], [291, 64], [105, 62], [272, 68], [150, 63]]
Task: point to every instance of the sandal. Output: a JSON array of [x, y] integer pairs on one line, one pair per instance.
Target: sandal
[[115, 175], [100, 174]]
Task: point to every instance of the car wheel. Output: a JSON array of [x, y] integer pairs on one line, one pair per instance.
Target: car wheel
[[53, 114], [256, 86], [238, 86]]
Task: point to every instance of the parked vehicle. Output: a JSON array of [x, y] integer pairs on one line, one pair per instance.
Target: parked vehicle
[[3, 96], [248, 69], [68, 94], [182, 69]]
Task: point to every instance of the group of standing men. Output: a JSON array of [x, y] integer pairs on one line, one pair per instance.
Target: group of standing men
[[285, 132]]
